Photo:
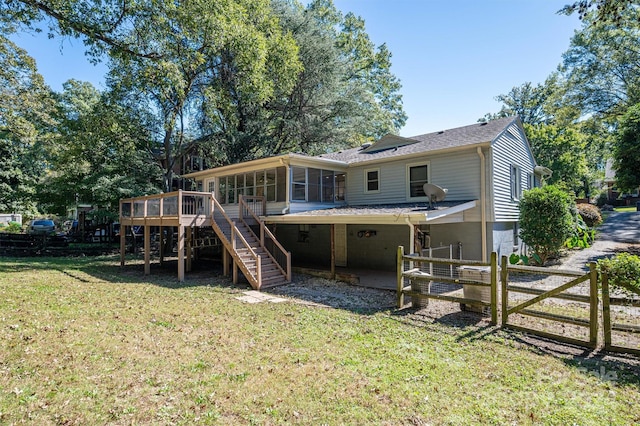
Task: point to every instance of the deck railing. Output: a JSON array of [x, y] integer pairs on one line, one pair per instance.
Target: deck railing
[[188, 203], [251, 207]]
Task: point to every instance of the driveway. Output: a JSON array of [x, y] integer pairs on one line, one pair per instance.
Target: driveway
[[618, 231]]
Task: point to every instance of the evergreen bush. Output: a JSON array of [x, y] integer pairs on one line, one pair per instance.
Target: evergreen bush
[[546, 221]]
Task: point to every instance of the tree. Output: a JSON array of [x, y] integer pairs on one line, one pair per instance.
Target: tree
[[546, 221], [98, 155], [344, 95], [562, 149], [605, 10], [26, 108], [533, 104], [602, 66], [626, 151], [218, 58]]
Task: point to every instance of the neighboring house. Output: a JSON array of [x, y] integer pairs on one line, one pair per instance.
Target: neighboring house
[[353, 208], [615, 197]]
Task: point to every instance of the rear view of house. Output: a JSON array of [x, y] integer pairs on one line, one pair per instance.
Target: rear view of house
[[353, 208]]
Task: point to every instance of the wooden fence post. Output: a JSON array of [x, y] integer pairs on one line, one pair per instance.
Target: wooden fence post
[[606, 311], [494, 288], [593, 295], [504, 277]]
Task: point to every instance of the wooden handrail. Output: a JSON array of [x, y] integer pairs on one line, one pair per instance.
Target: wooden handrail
[[234, 235], [265, 231]]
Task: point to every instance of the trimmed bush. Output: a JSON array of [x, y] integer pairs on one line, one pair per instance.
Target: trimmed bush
[[590, 214], [546, 221], [623, 271]]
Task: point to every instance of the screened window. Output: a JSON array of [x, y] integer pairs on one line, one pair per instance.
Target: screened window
[[339, 186], [316, 185], [269, 183], [418, 176], [299, 180]]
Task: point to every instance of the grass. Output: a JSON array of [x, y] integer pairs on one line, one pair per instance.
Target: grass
[[87, 342], [625, 209]]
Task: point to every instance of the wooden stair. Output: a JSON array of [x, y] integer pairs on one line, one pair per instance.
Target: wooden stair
[[247, 252]]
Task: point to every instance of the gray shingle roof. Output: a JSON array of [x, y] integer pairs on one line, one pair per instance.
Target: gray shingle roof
[[474, 134]]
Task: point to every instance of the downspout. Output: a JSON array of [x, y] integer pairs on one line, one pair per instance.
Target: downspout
[[483, 203]]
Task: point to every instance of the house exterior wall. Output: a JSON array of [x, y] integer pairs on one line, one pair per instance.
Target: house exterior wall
[[468, 234], [510, 148], [378, 251], [457, 171], [314, 250], [502, 239]]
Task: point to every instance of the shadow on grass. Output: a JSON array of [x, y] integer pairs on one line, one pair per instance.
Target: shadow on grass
[[619, 369], [108, 269]]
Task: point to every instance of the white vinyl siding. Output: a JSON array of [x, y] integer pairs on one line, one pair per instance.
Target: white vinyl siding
[[459, 172], [509, 149]]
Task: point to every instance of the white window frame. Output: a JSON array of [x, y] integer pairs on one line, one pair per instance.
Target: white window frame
[[366, 181], [408, 179], [515, 182]]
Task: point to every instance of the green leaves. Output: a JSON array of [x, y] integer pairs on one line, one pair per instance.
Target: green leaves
[[626, 152], [546, 222]]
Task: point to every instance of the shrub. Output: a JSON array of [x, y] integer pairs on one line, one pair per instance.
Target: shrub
[[12, 227], [590, 214], [623, 271], [582, 236], [546, 222]]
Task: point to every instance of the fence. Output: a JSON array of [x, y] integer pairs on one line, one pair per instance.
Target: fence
[[428, 279], [525, 293], [576, 309], [618, 316]]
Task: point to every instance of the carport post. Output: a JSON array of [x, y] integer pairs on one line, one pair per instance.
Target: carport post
[[333, 251]]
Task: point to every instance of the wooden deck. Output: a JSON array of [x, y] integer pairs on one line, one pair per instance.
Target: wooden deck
[[259, 256]]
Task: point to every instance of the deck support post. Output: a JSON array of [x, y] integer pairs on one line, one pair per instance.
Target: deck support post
[[123, 247], [161, 245], [147, 249], [189, 247], [235, 272], [180, 252], [225, 261]]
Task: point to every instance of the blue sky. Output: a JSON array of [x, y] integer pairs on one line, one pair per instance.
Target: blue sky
[[453, 57]]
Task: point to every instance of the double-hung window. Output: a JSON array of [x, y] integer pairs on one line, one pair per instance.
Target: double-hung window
[[417, 175], [372, 180], [516, 186]]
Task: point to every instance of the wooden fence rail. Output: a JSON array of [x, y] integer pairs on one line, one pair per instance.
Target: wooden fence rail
[[409, 271]]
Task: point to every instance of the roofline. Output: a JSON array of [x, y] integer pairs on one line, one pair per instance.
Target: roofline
[[421, 154], [279, 160], [371, 219]]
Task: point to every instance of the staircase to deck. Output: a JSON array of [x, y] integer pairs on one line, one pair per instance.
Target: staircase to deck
[[253, 248]]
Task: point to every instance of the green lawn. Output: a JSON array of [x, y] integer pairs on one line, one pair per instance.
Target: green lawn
[[86, 342], [625, 209]]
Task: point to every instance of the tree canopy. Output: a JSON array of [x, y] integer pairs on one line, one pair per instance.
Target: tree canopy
[[26, 117], [626, 152]]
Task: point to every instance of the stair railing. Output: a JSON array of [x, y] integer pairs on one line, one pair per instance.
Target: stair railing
[[267, 240], [235, 240]]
